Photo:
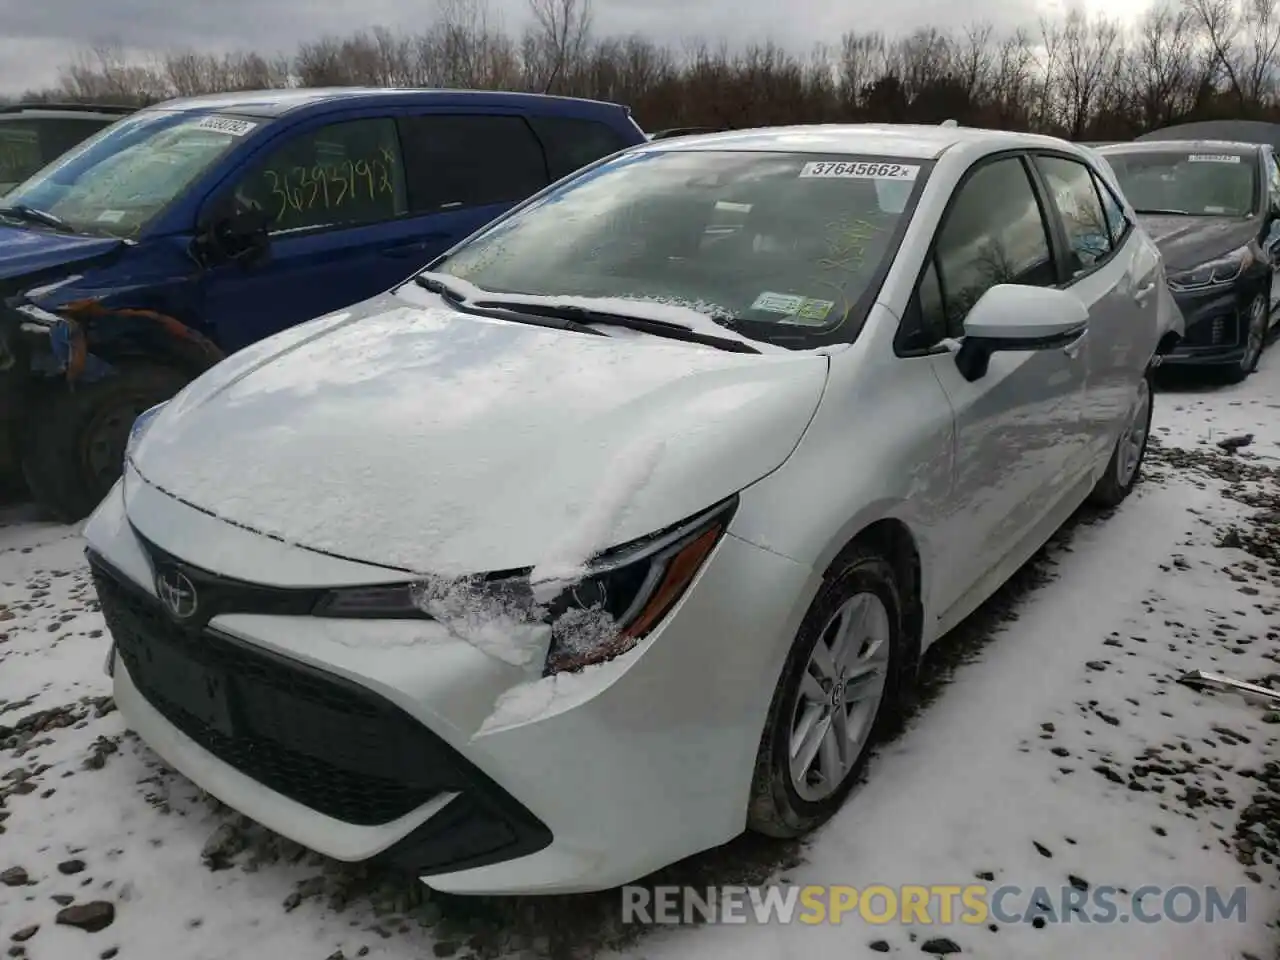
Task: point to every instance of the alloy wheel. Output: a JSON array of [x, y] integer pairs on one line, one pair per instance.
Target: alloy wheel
[[1133, 440], [840, 695]]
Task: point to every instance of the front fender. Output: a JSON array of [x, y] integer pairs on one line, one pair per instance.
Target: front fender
[[82, 340]]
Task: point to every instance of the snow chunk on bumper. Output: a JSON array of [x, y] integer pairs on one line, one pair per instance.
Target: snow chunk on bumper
[[550, 696]]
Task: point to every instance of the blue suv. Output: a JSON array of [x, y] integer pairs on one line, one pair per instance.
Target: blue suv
[[193, 228]]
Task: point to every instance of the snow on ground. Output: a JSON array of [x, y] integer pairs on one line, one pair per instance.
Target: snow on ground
[[1052, 745]]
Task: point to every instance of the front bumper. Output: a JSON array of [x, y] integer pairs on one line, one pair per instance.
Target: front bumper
[[368, 739], [1216, 327]]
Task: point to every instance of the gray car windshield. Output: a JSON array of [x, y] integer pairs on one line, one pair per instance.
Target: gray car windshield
[[1209, 181], [783, 247], [118, 181]]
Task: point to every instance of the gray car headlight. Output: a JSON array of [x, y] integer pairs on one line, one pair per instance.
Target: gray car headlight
[[623, 594], [1223, 270]]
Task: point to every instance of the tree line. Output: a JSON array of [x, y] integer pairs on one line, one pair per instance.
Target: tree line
[[1075, 76]]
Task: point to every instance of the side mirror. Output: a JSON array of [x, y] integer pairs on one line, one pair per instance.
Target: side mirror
[[235, 235], [1010, 317]]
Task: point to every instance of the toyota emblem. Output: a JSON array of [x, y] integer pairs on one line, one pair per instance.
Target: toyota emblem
[[177, 593]]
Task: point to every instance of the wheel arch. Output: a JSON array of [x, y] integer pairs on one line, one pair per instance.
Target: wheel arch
[[118, 335], [892, 538]]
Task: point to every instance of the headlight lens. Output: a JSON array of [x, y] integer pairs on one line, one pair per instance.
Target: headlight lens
[[1215, 272], [141, 424], [623, 595]]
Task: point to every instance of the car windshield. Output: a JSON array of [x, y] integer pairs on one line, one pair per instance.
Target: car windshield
[[783, 247], [1204, 181], [118, 181]]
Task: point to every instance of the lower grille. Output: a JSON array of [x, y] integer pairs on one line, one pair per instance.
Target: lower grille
[[317, 739], [1220, 331]]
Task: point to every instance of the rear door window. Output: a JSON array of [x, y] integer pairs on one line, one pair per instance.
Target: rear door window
[[20, 152], [571, 143], [59, 134], [456, 161]]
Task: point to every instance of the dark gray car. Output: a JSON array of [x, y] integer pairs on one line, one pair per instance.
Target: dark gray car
[[1213, 208], [33, 135]]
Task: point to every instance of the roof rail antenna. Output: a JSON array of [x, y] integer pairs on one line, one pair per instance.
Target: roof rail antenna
[[948, 123]]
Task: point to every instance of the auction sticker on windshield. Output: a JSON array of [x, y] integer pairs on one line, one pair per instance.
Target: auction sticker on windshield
[[1213, 158], [794, 308], [237, 128], [859, 170]]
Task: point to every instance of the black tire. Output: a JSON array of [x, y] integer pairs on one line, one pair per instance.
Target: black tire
[[1110, 491], [1239, 372], [75, 454], [775, 808]]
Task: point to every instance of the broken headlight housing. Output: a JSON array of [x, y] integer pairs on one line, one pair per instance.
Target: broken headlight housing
[[621, 595]]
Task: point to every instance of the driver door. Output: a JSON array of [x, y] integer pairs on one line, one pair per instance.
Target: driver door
[[336, 194], [1020, 428]]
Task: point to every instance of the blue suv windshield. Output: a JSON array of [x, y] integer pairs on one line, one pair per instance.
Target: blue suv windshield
[[117, 182]]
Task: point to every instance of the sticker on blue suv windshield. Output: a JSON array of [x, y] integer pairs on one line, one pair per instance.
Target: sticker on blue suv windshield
[[793, 308], [237, 128], [1213, 158], [859, 170]]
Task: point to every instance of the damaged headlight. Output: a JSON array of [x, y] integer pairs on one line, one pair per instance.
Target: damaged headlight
[[1215, 272], [620, 596]]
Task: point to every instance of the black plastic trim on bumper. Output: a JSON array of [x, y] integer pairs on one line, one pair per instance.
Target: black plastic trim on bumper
[[1209, 357], [318, 739]]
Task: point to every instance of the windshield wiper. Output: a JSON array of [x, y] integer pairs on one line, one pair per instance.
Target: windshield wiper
[[1163, 212], [501, 311], [658, 328], [28, 214]]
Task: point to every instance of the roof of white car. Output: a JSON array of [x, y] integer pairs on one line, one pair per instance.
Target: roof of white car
[[916, 141]]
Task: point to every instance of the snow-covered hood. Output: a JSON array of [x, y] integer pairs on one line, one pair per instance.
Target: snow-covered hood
[[439, 442]]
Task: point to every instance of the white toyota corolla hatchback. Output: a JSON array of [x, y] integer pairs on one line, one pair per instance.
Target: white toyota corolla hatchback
[[616, 532]]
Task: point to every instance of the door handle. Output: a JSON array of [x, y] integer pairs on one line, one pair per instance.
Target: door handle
[[1072, 349], [1144, 291]]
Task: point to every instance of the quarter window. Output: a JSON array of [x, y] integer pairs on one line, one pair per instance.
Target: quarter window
[[994, 233], [1117, 222], [1071, 186], [342, 174]]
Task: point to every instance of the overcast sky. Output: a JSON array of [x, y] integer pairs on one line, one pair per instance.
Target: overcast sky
[[40, 35]]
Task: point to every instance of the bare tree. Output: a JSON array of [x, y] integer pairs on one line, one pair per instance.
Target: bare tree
[[1079, 77], [1163, 76], [1090, 59], [562, 30], [1242, 36]]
